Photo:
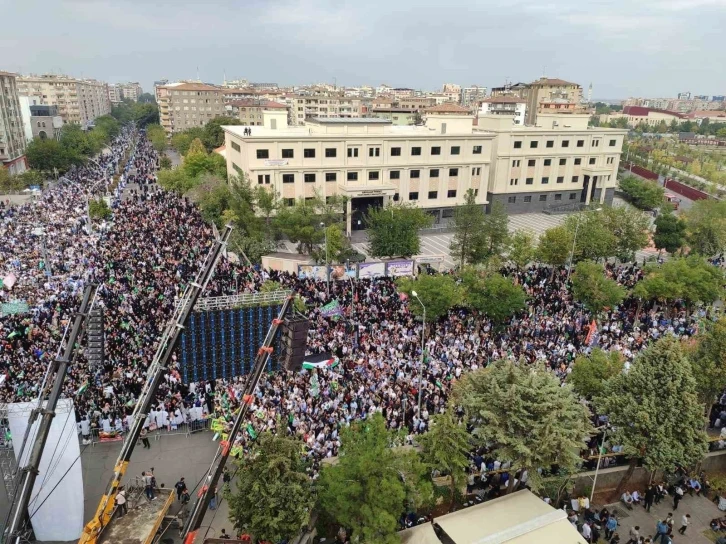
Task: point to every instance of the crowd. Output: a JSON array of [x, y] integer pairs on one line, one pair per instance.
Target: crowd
[[155, 244]]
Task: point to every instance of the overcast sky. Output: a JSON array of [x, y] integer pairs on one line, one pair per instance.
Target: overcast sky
[[623, 47]]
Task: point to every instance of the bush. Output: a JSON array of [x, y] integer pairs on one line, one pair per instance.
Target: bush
[[646, 195]]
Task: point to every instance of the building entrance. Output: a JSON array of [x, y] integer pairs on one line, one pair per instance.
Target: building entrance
[[359, 210]]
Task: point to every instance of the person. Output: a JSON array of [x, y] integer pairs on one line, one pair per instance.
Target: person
[[661, 531], [185, 497], [213, 501], [627, 499], [121, 501], [636, 497], [650, 494], [148, 486], [615, 539], [224, 534], [145, 439], [677, 496], [610, 525], [587, 532], [694, 485], [685, 522], [226, 478], [660, 492], [634, 534], [180, 487]]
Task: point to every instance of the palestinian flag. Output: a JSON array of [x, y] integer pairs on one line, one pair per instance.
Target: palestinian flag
[[82, 389], [322, 360], [331, 309]]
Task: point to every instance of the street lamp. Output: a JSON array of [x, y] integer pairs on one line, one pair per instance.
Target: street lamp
[[574, 240], [327, 266], [423, 345], [599, 460]]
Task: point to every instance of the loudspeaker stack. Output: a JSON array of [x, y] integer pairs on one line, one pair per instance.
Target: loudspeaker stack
[[294, 341]]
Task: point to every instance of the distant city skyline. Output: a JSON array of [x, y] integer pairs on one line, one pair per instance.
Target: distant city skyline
[[646, 48]]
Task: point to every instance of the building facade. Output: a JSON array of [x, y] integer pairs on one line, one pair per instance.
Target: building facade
[[79, 101], [249, 112], [472, 96], [397, 116], [635, 115], [130, 91], [508, 105], [187, 105], [45, 122], [114, 94], [12, 132], [548, 95], [324, 106]]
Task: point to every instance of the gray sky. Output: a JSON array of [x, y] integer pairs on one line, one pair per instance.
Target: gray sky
[[624, 47]]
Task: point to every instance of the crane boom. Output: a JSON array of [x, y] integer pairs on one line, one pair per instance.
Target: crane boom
[[59, 367], [159, 365], [194, 521]]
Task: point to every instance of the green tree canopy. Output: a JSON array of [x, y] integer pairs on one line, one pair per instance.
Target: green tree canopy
[[594, 239], [468, 224], [654, 410], [522, 248], [157, 136], [176, 180], [181, 141], [98, 209], [526, 416], [438, 293], [591, 372], [596, 291], [494, 238], [492, 294], [213, 133], [274, 496], [554, 246], [706, 225], [708, 358], [47, 156], [631, 229], [670, 232], [302, 225], [643, 194], [393, 230]]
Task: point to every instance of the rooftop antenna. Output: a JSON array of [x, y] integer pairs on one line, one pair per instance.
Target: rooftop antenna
[[198, 74], [224, 78], [544, 71]]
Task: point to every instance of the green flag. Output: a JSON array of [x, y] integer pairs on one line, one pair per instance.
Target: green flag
[[251, 431]]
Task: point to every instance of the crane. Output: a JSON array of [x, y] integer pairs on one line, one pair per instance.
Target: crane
[[159, 365]]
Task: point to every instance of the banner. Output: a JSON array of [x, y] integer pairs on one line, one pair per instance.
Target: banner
[[371, 270], [331, 309], [15, 307], [322, 360], [305, 271], [339, 272], [399, 268], [9, 280]]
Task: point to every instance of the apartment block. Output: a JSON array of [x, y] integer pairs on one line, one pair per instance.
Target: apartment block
[[509, 105], [130, 91], [472, 96], [325, 107], [12, 131], [114, 94], [187, 105], [552, 96], [249, 112], [79, 101], [45, 122]]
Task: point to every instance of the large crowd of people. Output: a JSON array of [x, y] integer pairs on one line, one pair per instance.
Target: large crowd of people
[[156, 242]]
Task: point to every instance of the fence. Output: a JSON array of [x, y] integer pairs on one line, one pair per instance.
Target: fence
[[155, 433]]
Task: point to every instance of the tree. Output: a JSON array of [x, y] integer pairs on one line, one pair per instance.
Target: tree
[[177, 180], [631, 229], [393, 230], [493, 295], [164, 162], [526, 416], [522, 248], [107, 125], [157, 137], [591, 372], [364, 492], [213, 133], [267, 202], [468, 224], [495, 235], [438, 293], [147, 98], [198, 161], [182, 140], [301, 224], [334, 249], [594, 239], [593, 289], [706, 225], [98, 209], [274, 494], [708, 359], [446, 447], [77, 143], [654, 411], [554, 246], [47, 156], [643, 194], [670, 232]]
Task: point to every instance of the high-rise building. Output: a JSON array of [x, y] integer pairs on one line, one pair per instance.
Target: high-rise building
[[12, 133], [131, 91], [114, 94], [324, 106], [684, 96], [79, 101], [472, 96], [552, 96], [186, 105], [509, 105]]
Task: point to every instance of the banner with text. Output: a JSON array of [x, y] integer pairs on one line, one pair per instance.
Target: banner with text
[[371, 270], [305, 271], [399, 268]]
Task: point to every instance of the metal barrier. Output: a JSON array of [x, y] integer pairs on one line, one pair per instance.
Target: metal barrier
[[98, 436], [243, 300]]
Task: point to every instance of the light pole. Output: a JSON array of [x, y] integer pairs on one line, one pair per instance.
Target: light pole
[[599, 460], [327, 266], [423, 345], [352, 306], [574, 240]]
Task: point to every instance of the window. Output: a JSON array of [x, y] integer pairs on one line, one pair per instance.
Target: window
[[610, 160], [529, 181], [263, 178], [476, 192], [434, 173], [545, 180], [531, 162], [374, 176], [563, 162], [573, 196], [451, 193], [288, 154], [550, 143], [447, 213], [512, 199], [395, 174], [331, 152], [565, 143], [453, 172], [395, 152], [475, 171], [236, 168], [352, 176], [578, 161], [514, 181], [331, 176], [612, 143], [433, 195], [575, 179], [263, 154], [374, 151], [518, 145], [516, 163], [580, 143], [309, 153], [352, 152], [542, 198], [309, 178], [288, 178], [528, 199], [533, 144], [436, 150], [476, 150], [415, 151], [413, 196], [558, 196], [235, 146], [289, 201], [415, 174], [595, 143], [560, 179], [592, 160], [309, 198], [548, 162], [455, 150]]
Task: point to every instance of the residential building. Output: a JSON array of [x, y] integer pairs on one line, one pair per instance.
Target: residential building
[[12, 133], [509, 105], [397, 116], [712, 116], [325, 106], [25, 114], [420, 103], [684, 96], [402, 92], [552, 95], [636, 115], [249, 112], [157, 84], [45, 122], [560, 163], [186, 105], [130, 91], [452, 91], [79, 101], [115, 94], [472, 96], [517, 89], [383, 89]]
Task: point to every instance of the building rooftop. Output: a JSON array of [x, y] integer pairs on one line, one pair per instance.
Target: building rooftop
[[504, 99], [353, 127], [349, 120], [553, 81], [257, 103], [2, 73], [448, 107], [643, 111], [192, 87]]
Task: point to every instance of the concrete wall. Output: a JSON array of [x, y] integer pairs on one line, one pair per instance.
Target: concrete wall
[[535, 205]]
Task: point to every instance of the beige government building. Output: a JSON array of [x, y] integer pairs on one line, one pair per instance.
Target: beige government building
[[560, 162]]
